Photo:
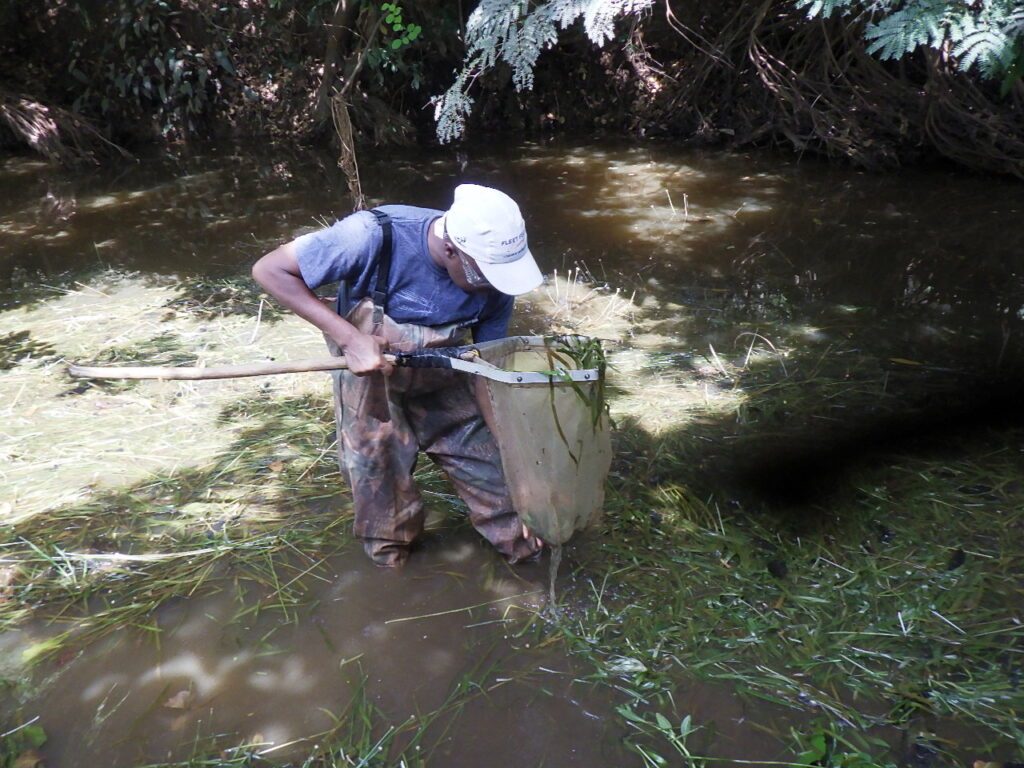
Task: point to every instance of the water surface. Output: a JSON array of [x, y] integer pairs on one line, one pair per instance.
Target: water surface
[[922, 267]]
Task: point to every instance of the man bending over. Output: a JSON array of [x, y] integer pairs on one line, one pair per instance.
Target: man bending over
[[412, 278]]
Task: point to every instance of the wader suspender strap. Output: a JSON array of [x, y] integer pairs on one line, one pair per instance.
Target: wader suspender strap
[[380, 291]]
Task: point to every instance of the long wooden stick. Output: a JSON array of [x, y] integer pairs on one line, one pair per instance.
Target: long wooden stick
[[214, 372]]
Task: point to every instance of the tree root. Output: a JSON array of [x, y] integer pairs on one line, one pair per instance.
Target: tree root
[[347, 151], [57, 134], [766, 74]]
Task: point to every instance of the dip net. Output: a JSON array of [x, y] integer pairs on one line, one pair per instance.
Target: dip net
[[554, 437]]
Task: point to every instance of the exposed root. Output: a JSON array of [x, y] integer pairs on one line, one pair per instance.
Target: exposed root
[[767, 74], [965, 125], [347, 151], [58, 135]]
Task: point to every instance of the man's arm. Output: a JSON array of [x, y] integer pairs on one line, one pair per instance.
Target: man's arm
[[278, 272]]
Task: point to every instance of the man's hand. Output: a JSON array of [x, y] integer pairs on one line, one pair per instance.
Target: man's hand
[[365, 354]]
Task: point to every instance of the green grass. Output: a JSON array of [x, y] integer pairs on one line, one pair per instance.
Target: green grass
[[18, 346]]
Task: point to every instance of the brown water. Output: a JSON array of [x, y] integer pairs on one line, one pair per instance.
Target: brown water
[[673, 224], [391, 644], [450, 634], [928, 263]]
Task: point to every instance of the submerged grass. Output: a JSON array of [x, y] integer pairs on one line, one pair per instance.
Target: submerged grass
[[821, 551], [18, 346], [881, 606], [361, 734], [168, 534], [250, 517], [210, 299]]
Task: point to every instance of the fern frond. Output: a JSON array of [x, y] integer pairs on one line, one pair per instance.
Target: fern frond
[[983, 42], [825, 8], [1015, 23], [600, 15], [919, 22], [452, 108], [513, 32]]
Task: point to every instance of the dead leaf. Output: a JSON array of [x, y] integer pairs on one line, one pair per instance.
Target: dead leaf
[[180, 700], [276, 466], [29, 759], [7, 576], [6, 508]]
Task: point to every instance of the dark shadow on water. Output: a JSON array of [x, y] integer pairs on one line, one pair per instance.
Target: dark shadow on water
[[809, 468]]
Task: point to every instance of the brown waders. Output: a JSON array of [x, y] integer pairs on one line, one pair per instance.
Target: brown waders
[[431, 410]]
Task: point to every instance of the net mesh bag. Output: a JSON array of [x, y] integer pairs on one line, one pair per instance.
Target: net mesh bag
[[554, 439]]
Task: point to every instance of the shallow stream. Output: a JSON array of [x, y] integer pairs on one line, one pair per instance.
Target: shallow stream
[[705, 253]]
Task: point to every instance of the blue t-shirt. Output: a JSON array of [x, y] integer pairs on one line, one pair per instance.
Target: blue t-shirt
[[418, 290]]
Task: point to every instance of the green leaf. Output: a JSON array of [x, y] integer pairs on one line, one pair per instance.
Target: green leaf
[[79, 75], [685, 727], [817, 749], [663, 722], [396, 44], [628, 713], [42, 648], [33, 736]]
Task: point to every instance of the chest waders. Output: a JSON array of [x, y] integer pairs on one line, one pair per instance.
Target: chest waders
[[384, 422]]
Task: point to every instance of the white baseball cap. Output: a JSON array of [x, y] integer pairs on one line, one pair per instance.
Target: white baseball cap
[[486, 224]]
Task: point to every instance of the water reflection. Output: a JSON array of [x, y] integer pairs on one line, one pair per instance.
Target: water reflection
[[804, 232]]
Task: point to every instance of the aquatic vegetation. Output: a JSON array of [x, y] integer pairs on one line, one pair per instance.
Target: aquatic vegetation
[[882, 596], [18, 346], [91, 435], [205, 298], [161, 349], [586, 353], [19, 745], [776, 531]]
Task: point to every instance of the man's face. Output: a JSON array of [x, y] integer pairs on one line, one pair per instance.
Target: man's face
[[463, 270]]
